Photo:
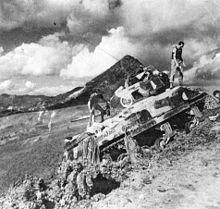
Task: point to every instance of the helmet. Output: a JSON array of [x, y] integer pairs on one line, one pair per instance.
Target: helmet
[[216, 94], [156, 72]]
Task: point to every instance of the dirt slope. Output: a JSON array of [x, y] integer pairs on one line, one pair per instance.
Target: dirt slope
[[190, 182], [186, 174]]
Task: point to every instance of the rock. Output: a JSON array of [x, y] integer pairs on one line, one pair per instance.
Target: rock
[[161, 189], [204, 162], [98, 197], [147, 180], [141, 196]]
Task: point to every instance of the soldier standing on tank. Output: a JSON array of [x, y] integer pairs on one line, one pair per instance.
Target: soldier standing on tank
[[177, 63]]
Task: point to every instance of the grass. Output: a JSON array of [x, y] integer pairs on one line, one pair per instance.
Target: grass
[[36, 152]]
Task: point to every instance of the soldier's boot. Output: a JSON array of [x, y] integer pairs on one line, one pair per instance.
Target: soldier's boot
[[180, 78]]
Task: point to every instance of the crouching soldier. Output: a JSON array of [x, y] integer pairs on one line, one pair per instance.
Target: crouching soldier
[[94, 105]]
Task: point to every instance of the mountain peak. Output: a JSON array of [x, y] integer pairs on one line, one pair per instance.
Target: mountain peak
[[107, 82]]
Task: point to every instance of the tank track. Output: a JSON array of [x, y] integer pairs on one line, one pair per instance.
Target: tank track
[[207, 102], [119, 144]]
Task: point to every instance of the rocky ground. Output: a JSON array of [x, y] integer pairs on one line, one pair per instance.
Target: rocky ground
[[186, 174]]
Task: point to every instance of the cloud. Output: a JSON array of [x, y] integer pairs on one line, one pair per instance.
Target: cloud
[[30, 85], [161, 21], [33, 14], [6, 85], [206, 69], [1, 50], [46, 57], [27, 88], [111, 48], [80, 16], [151, 27], [151, 23], [158, 25], [32, 88], [51, 90], [165, 17], [91, 17], [92, 31]]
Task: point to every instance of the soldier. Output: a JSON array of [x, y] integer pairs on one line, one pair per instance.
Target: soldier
[[42, 112], [216, 94], [93, 105], [177, 63], [165, 78], [50, 122], [90, 150], [130, 80]]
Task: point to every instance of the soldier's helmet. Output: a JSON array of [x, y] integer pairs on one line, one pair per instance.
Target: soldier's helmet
[[216, 94], [149, 68], [156, 72]]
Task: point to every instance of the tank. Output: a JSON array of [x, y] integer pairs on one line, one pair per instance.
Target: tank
[[149, 111]]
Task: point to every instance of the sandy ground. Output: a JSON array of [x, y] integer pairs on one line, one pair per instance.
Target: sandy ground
[[190, 181]]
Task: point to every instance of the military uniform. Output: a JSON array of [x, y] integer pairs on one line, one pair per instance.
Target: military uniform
[[176, 67], [93, 105]]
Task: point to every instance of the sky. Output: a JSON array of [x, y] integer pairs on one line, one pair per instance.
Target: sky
[[52, 46]]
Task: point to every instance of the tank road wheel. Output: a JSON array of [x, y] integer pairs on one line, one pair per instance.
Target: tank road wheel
[[107, 159], [161, 142], [210, 103], [191, 124], [195, 110], [122, 157], [126, 101]]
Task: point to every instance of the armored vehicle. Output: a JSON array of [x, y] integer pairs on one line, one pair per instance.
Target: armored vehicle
[[151, 114]]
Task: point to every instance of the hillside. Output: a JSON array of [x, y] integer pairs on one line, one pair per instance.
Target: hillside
[[115, 76], [107, 82], [26, 147], [186, 174], [11, 104]]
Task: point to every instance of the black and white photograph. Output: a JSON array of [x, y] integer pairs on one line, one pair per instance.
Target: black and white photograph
[[109, 104]]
